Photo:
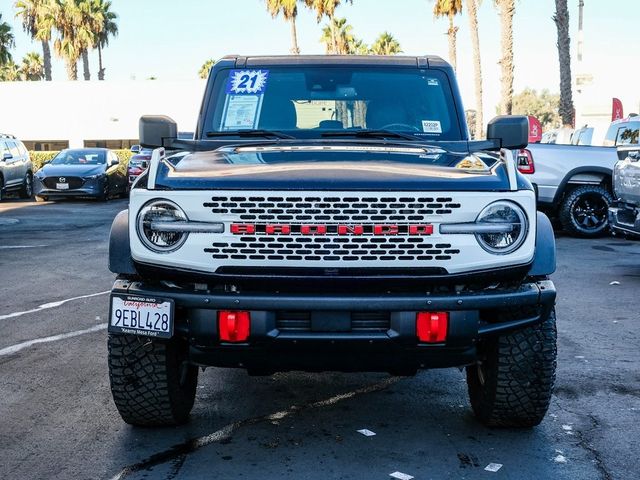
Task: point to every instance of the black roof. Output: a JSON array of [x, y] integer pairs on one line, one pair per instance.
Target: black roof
[[361, 60]]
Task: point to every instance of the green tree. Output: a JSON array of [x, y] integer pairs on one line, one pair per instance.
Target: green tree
[[206, 68], [9, 72], [449, 9], [327, 8], [507, 9], [7, 42], [109, 29], [544, 106], [386, 44], [69, 45], [32, 67], [472, 9], [289, 10], [338, 37], [38, 23], [561, 19], [89, 22]]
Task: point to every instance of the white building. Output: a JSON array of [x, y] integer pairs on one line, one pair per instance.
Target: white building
[[55, 115]]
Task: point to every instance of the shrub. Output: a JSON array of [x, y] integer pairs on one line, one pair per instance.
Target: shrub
[[38, 159]]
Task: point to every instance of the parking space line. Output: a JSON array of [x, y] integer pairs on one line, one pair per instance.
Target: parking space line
[[46, 306], [54, 338], [12, 247], [225, 432]]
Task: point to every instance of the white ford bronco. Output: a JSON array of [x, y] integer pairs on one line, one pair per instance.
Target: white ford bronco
[[331, 213]]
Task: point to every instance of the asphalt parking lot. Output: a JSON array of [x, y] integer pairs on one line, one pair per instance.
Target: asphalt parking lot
[[58, 419]]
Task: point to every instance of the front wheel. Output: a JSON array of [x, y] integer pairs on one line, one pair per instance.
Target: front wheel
[[511, 384], [584, 211], [26, 191], [151, 382]]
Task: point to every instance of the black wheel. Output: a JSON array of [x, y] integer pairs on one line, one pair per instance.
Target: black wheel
[[511, 385], [584, 211], [104, 196], [151, 383], [26, 191], [40, 198], [1, 188]]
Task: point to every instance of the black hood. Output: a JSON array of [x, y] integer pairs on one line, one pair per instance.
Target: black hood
[[333, 168]]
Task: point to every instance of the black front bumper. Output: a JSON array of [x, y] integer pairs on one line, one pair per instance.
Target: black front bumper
[[473, 316], [624, 218]]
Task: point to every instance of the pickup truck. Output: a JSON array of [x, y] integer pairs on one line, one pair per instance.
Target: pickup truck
[[331, 213], [572, 182], [624, 213]]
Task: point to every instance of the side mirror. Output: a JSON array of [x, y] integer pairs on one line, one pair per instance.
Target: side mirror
[[113, 162], [7, 156], [135, 148], [511, 130], [157, 131]]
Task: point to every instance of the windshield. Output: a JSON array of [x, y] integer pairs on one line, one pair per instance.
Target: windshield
[[311, 101], [80, 157]]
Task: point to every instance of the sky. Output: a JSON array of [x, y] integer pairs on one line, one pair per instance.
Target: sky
[[170, 40]]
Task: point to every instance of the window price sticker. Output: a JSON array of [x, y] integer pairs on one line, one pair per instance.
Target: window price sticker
[[431, 126], [247, 82]]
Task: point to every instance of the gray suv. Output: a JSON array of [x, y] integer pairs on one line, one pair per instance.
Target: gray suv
[[16, 170]]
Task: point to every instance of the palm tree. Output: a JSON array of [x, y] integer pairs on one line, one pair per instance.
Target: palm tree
[[9, 72], [561, 18], [338, 37], [472, 9], [32, 67], [7, 42], [327, 8], [360, 48], [385, 44], [38, 23], [109, 29], [289, 10], [206, 68], [507, 9], [449, 8], [89, 23], [68, 45]]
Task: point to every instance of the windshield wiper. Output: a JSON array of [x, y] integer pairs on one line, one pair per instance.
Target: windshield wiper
[[369, 133], [249, 133]]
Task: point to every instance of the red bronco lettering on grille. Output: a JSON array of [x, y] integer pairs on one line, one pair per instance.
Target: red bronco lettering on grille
[[322, 229]]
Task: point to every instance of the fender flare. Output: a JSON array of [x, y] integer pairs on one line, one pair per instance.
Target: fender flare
[[544, 261], [608, 172], [120, 260]]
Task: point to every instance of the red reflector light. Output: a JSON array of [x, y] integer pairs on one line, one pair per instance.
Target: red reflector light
[[525, 161], [431, 327], [234, 326]]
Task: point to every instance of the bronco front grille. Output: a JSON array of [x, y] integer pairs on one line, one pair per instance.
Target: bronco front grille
[[348, 249], [332, 208]]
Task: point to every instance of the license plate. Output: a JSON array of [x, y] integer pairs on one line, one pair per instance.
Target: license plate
[[62, 186], [151, 317]]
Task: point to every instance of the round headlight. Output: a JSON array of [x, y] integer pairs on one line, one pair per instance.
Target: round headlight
[[515, 221], [149, 225]]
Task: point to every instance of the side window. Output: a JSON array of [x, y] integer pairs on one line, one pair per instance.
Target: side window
[[13, 148], [3, 148], [610, 137], [629, 135], [22, 149]]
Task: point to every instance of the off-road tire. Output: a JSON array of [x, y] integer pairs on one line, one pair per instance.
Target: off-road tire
[[1, 188], [567, 212], [511, 386], [26, 190], [150, 382]]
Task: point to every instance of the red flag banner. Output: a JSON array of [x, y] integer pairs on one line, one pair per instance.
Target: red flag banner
[[616, 110], [535, 130]]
